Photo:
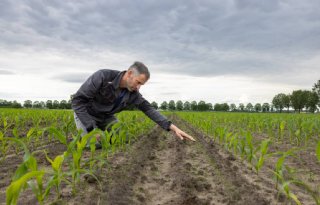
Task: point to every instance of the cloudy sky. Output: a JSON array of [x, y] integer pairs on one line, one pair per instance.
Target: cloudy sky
[[234, 51]]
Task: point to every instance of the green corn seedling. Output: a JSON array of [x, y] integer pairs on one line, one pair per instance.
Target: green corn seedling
[[228, 138], [284, 185], [22, 176], [285, 188], [249, 147], [282, 125], [76, 152], [58, 175], [263, 151], [15, 188], [57, 134], [93, 141], [4, 146]]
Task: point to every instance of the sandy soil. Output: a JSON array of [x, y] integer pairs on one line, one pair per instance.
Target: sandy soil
[[162, 169]]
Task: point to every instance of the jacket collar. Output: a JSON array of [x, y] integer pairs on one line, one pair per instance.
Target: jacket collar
[[116, 81]]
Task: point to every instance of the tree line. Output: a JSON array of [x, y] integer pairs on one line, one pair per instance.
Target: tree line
[[203, 106], [298, 100], [49, 104]]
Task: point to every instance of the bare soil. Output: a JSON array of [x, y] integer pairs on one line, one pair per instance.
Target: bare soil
[[162, 169]]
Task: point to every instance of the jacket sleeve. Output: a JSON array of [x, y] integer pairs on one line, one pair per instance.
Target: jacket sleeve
[[152, 113], [83, 98]]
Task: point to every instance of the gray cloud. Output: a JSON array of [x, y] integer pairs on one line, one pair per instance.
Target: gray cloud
[[5, 95], [6, 72], [169, 93], [197, 38], [72, 77]]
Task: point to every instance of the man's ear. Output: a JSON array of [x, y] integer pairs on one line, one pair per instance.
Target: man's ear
[[130, 72]]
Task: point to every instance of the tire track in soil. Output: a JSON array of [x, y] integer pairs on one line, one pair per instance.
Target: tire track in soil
[[161, 169]]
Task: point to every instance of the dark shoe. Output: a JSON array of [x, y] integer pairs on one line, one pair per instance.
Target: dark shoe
[[98, 146]]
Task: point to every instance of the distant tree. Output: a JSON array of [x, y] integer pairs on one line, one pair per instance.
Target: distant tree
[[241, 107], [202, 106], [287, 101], [265, 107], [316, 89], [9, 104], [36, 104], [42, 104], [257, 107], [221, 107], [186, 105], [49, 104], [209, 106], [312, 101], [15, 104], [3, 103], [63, 104], [233, 107], [249, 107], [55, 104], [27, 104], [271, 108], [225, 107], [217, 107], [279, 101], [179, 105], [299, 99], [69, 104], [194, 106], [154, 105], [172, 105], [164, 105]]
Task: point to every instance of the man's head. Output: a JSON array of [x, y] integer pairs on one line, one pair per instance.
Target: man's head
[[137, 75]]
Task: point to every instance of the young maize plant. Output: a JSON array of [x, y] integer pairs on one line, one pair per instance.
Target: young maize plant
[[4, 147], [279, 166], [249, 151], [263, 149], [228, 138], [23, 175], [76, 153], [283, 182], [282, 126], [284, 188], [298, 129], [280, 180], [58, 175], [14, 189], [92, 160], [75, 148]]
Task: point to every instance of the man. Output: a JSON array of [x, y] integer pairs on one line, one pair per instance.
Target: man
[[107, 92]]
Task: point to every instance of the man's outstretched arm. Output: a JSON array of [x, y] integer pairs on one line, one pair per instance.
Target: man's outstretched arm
[[181, 134], [154, 115]]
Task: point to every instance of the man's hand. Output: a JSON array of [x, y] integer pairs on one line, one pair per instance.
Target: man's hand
[[98, 137], [181, 134]]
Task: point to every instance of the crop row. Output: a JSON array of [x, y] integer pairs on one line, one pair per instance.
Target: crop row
[[24, 132], [250, 137]]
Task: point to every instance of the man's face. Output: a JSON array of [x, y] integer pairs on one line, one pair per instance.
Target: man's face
[[135, 81]]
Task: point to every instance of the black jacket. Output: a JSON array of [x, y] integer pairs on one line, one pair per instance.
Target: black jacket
[[95, 100]]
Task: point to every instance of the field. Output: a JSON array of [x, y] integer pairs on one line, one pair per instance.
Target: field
[[238, 158]]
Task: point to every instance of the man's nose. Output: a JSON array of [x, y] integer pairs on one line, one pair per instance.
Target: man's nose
[[138, 87]]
